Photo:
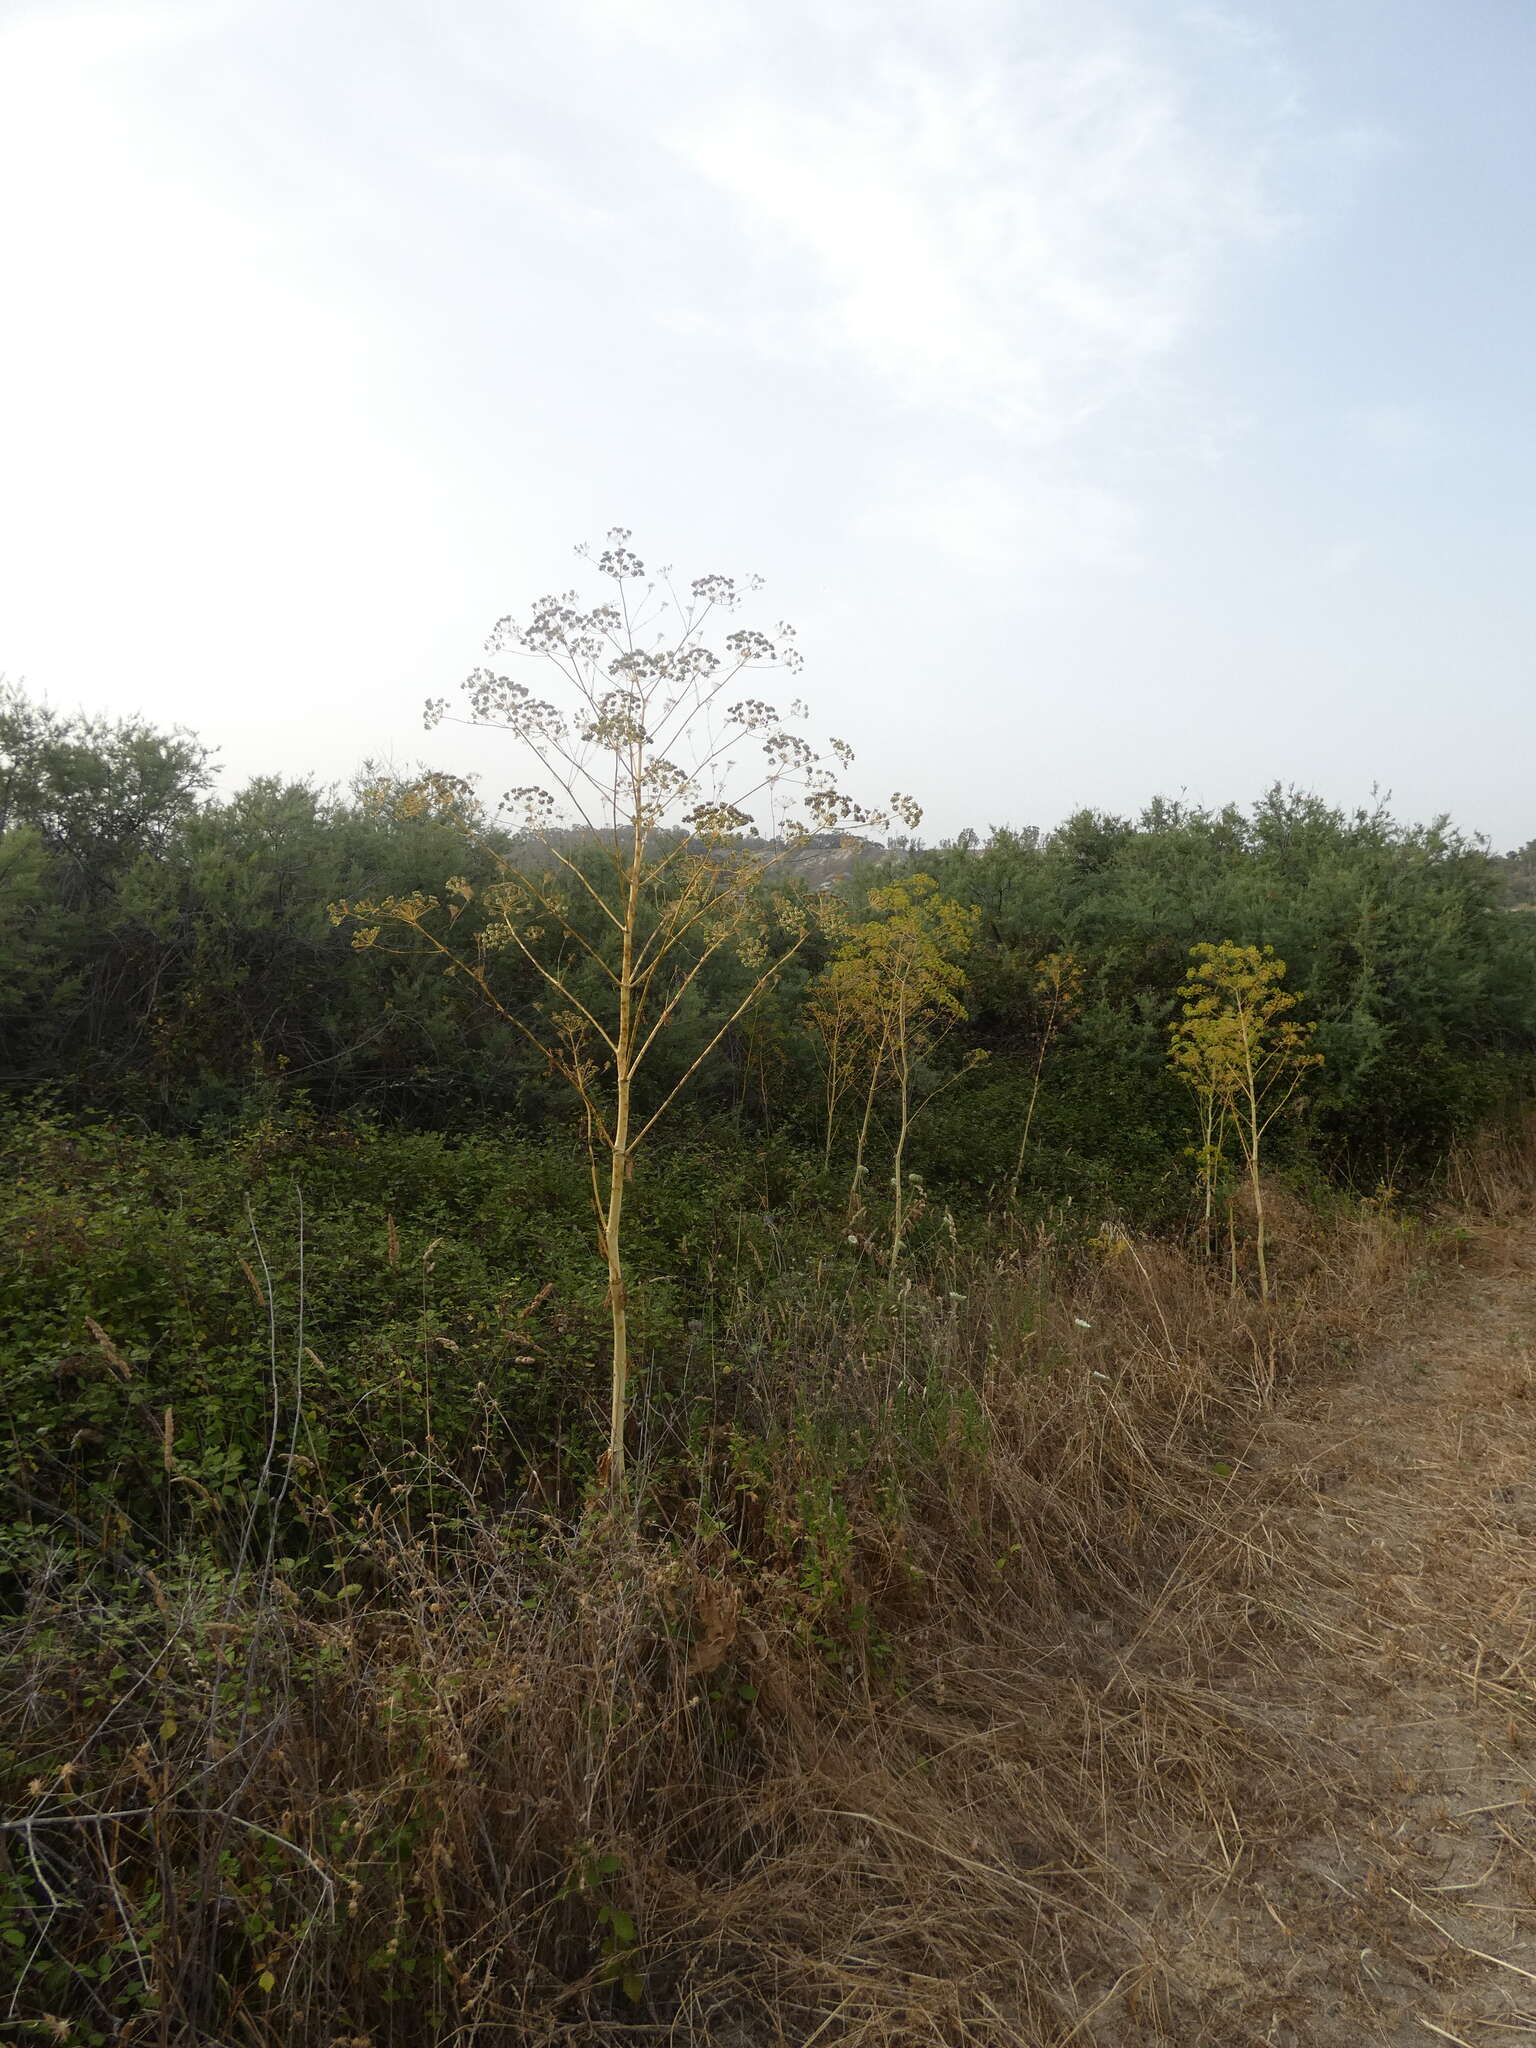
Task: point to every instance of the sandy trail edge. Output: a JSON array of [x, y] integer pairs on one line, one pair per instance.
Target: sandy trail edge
[[1408, 1493]]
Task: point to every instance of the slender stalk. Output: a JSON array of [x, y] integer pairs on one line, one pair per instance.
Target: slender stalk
[[904, 1124], [618, 1165], [1251, 1091], [618, 1302], [834, 1090], [1034, 1096], [875, 1066]]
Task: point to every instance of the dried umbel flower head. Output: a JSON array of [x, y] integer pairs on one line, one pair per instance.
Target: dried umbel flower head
[[660, 800]]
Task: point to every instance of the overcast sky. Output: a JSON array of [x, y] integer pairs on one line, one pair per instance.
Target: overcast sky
[[1122, 398]]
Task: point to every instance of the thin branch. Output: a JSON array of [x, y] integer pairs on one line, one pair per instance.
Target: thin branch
[[740, 1010]]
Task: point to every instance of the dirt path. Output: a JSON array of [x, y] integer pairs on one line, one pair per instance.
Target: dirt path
[[1406, 1914]]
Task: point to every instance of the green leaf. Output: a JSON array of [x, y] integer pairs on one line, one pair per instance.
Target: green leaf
[[267, 1981], [634, 1988]]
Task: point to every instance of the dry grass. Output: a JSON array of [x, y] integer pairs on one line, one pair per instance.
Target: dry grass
[[978, 1631]]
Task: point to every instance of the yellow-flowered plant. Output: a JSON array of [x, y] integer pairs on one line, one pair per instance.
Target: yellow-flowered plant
[[889, 997], [1243, 1056]]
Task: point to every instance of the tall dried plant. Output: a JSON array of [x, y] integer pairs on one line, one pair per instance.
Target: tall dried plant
[[663, 804]]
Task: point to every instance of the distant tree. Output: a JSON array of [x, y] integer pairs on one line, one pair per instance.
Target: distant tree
[[97, 792], [82, 800], [1520, 876], [685, 799]]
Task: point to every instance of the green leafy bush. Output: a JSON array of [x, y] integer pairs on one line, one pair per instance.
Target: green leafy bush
[[406, 1302]]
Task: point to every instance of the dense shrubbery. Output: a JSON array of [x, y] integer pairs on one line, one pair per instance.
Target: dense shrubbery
[[1422, 986], [333, 1708], [408, 1302], [171, 957], [211, 1047], [1520, 876], [937, 1614]]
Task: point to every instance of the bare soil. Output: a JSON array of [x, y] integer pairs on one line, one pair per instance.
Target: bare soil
[[1387, 1897]]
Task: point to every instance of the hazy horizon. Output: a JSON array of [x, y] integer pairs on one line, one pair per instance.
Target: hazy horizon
[[1122, 400]]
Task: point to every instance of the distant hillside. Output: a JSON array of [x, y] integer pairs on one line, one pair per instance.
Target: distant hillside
[[827, 859], [824, 860]]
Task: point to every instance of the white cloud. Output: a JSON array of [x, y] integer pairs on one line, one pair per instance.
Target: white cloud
[[1343, 559], [997, 210], [328, 331], [1399, 430], [95, 36], [990, 218], [540, 193], [1003, 209], [1036, 534], [204, 491]]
